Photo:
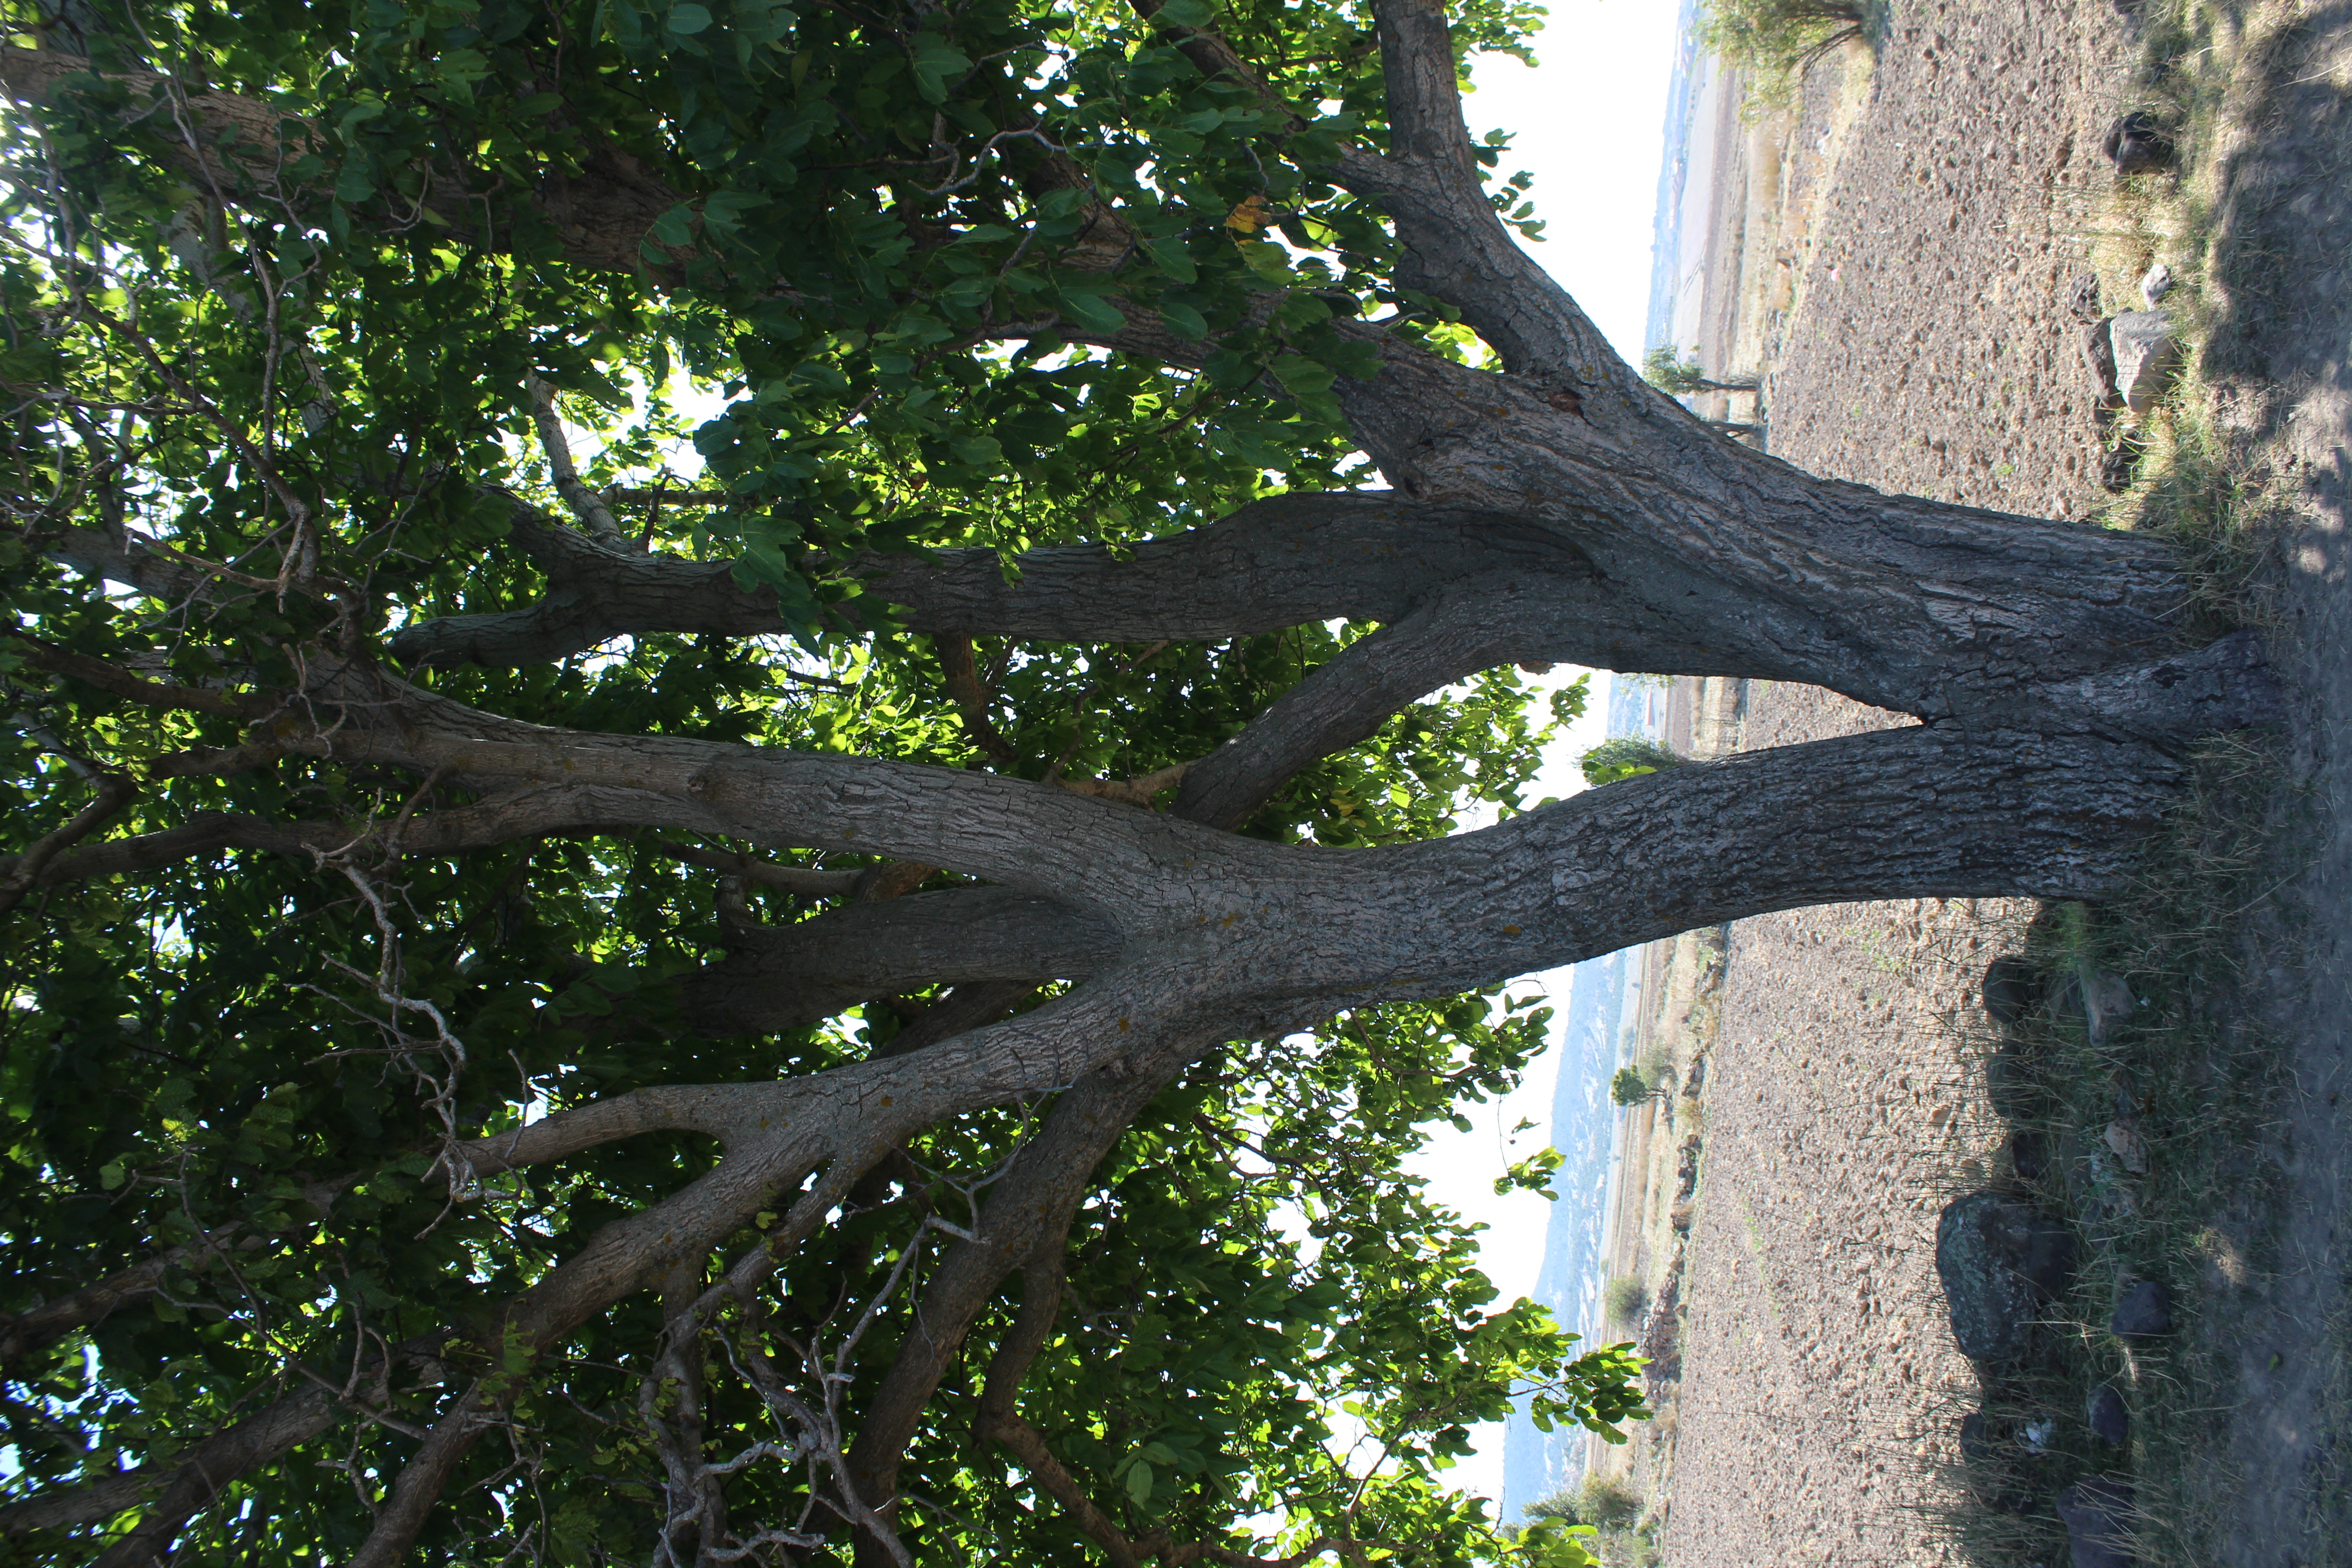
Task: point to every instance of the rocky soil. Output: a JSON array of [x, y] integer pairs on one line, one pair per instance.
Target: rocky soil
[[1932, 216], [1821, 1391]]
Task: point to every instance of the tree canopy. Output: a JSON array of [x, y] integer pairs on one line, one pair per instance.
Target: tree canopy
[[867, 994]]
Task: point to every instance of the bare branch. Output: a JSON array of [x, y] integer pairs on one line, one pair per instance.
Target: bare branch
[[114, 792], [585, 503], [783, 977], [807, 880]]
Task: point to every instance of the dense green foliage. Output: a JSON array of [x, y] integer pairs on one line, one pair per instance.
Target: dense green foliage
[[1630, 1087], [315, 388], [1626, 757], [1778, 40], [1681, 373], [1605, 1500]]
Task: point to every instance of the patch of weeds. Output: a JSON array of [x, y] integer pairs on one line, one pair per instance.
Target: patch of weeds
[[2188, 493], [2145, 1098]]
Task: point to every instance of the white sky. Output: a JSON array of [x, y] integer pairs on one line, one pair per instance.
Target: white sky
[[1587, 125]]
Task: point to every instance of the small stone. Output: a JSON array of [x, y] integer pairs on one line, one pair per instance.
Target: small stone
[[2109, 1422], [2097, 1515], [2011, 989], [2130, 1148], [2083, 299], [2122, 461], [2137, 145], [2143, 1310], [2098, 354], [2145, 356], [2155, 284]]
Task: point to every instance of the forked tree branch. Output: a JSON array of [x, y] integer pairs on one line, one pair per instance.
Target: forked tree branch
[[1456, 245]]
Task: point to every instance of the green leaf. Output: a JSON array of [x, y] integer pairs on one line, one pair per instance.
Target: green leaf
[[688, 20], [936, 63], [1192, 14], [1092, 313], [674, 228], [1302, 375], [1139, 1483], [1174, 259], [1184, 320]]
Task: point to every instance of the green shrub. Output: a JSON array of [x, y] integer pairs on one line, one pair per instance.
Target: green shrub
[[1779, 38], [1606, 1502], [1624, 1298], [1629, 1086], [1625, 757], [1664, 368]]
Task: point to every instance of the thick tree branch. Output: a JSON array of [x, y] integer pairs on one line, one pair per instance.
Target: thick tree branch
[[727, 1111], [1460, 629], [182, 1485], [809, 881], [117, 681], [532, 812], [1024, 1226], [789, 976], [595, 592], [22, 872], [24, 1332], [600, 212], [961, 672], [1456, 245]]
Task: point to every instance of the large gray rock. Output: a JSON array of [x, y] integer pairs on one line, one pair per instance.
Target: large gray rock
[[2143, 1310], [2138, 142], [2011, 986], [2097, 1515], [2145, 356], [2001, 1263], [2105, 1413]]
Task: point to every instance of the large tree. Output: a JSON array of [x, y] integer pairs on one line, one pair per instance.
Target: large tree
[[870, 994]]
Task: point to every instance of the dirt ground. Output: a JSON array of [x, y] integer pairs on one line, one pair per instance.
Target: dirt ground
[[1904, 290]]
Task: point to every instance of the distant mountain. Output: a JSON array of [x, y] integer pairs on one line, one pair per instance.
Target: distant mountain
[[1674, 169], [1583, 1129], [1636, 707]]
